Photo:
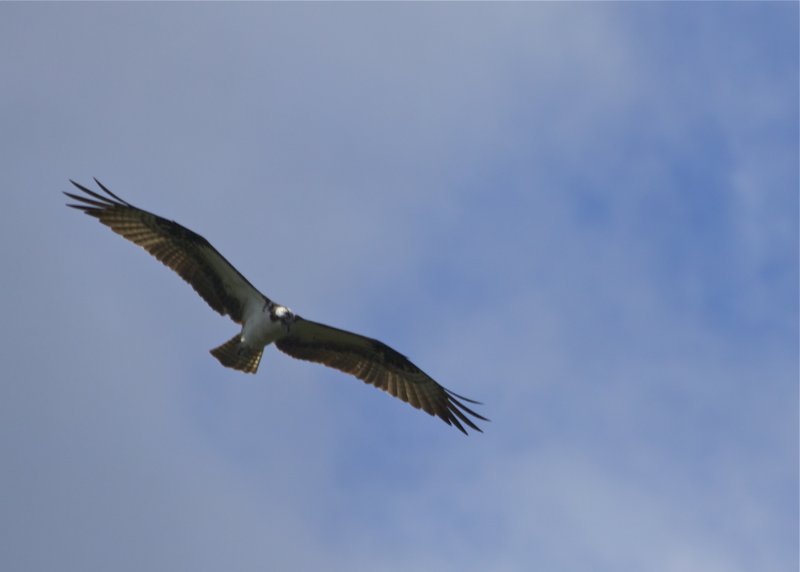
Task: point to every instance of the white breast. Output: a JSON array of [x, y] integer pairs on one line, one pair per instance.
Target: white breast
[[259, 330]]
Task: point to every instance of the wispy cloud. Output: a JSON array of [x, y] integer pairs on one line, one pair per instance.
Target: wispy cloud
[[583, 215]]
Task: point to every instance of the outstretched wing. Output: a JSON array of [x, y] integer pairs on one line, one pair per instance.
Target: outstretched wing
[[186, 252], [376, 363]]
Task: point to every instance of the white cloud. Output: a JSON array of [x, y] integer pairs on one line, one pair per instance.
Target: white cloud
[[513, 196]]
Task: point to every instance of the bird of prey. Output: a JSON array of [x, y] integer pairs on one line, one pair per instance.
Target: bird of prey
[[264, 321]]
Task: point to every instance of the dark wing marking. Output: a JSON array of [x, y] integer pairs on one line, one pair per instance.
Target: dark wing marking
[[186, 252], [376, 363]]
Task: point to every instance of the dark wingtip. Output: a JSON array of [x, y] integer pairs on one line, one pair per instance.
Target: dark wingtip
[[457, 413], [458, 426], [79, 186], [107, 190], [90, 200], [462, 398]]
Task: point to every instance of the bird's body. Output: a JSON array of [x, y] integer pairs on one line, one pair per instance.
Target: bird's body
[[265, 322], [264, 325]]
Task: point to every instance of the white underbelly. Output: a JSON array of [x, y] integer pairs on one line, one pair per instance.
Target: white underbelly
[[259, 330]]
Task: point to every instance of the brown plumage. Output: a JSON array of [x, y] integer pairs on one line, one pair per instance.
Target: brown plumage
[[184, 251], [231, 354], [376, 363], [263, 321]]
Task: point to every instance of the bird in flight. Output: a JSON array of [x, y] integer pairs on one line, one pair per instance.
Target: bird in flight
[[264, 321]]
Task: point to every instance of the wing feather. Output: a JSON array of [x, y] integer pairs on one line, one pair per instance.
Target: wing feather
[[186, 252], [377, 364]]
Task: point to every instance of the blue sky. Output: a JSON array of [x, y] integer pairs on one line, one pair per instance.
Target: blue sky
[[584, 215]]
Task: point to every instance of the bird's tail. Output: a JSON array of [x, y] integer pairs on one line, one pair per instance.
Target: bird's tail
[[237, 355]]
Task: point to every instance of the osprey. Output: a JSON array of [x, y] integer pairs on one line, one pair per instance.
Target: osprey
[[264, 321]]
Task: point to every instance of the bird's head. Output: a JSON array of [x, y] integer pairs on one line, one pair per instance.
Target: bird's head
[[285, 315]]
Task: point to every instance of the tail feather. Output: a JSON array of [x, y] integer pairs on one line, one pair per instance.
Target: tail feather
[[237, 355]]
